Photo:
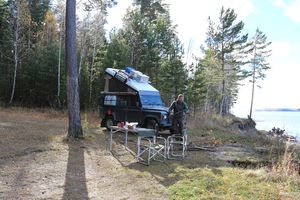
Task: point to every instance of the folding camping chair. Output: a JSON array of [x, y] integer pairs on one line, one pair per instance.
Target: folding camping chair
[[177, 143], [150, 146]]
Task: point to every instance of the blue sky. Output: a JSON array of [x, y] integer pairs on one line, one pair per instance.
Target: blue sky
[[278, 19]]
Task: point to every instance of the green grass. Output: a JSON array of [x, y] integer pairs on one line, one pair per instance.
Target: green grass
[[233, 183], [239, 183]]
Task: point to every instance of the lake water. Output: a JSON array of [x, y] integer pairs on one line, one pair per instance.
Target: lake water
[[266, 120]]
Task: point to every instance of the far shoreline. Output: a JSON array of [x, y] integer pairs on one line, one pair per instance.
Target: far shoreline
[[278, 110]]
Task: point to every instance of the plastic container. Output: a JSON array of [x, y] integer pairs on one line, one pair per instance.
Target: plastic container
[[140, 77], [129, 70]]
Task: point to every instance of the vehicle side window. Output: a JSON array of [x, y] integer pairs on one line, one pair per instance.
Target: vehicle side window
[[122, 101], [110, 100], [134, 101]]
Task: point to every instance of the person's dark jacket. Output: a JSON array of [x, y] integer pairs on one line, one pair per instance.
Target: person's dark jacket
[[179, 108]]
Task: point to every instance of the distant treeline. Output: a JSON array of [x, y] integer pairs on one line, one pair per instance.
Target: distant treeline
[[32, 68], [280, 109]]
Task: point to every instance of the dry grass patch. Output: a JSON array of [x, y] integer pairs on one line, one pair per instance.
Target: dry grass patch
[[233, 183]]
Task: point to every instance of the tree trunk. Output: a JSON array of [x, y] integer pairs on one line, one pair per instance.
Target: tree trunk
[[131, 59], [75, 128], [253, 81], [222, 106], [206, 98], [16, 57], [80, 61], [15, 73], [29, 37], [156, 74], [82, 53], [176, 91], [223, 81], [195, 109], [92, 70], [58, 70]]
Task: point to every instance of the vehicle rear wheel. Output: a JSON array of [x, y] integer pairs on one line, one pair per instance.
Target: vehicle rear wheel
[[152, 124], [109, 122]]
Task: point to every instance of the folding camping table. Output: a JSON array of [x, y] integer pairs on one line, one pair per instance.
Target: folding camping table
[[115, 129], [149, 145]]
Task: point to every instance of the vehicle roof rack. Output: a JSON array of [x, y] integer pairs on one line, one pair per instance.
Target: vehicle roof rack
[[119, 93]]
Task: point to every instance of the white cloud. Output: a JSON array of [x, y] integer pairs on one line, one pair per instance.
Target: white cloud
[[284, 51], [279, 3], [116, 14], [191, 17], [279, 89], [291, 9]]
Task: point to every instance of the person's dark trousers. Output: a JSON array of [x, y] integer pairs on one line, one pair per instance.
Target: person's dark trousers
[[178, 126]]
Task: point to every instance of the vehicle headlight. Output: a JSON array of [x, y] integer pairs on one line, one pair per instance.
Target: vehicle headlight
[[164, 116]]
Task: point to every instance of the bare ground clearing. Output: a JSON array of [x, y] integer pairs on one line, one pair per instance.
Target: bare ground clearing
[[36, 162]]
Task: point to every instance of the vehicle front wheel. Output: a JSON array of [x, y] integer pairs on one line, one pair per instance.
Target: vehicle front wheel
[[109, 122], [152, 124]]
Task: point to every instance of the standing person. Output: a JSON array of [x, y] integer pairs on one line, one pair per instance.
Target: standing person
[[179, 108]]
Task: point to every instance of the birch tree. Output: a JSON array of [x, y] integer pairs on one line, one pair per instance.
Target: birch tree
[[16, 49], [98, 35], [91, 38], [61, 29], [21, 19], [84, 27]]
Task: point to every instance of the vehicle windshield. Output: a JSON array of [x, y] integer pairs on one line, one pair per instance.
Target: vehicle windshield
[[151, 100]]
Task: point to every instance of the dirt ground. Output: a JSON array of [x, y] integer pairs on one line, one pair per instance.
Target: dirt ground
[[36, 162]]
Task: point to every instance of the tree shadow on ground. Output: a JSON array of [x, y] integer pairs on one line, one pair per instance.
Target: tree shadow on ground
[[75, 182]]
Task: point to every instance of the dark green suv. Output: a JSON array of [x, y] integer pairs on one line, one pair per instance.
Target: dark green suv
[[130, 97]]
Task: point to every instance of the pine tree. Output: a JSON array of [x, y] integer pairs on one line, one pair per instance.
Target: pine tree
[[173, 73], [226, 40], [75, 128], [118, 50], [210, 70], [148, 34], [196, 88], [259, 52], [151, 8]]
